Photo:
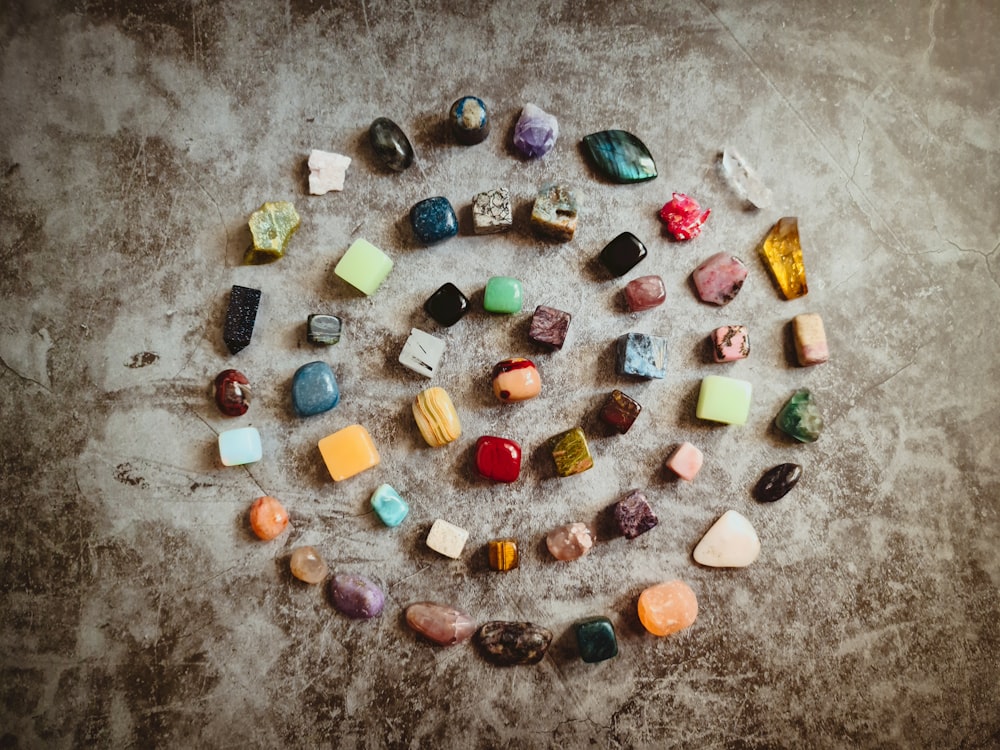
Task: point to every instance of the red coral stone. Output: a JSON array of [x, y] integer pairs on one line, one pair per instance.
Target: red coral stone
[[498, 458], [683, 216], [232, 393]]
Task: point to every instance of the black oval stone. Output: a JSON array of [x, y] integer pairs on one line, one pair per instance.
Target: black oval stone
[[510, 643], [391, 145], [777, 482]]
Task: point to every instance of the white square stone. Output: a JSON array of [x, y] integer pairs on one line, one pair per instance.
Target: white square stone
[[327, 171], [422, 352], [491, 212], [447, 538]]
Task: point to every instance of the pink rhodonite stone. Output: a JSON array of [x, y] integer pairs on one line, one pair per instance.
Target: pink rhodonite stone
[[645, 293], [730, 343], [569, 542], [440, 623], [720, 278], [685, 461], [683, 216]]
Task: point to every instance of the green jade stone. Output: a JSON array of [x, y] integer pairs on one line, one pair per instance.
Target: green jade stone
[[503, 295], [800, 417], [595, 639], [271, 228]]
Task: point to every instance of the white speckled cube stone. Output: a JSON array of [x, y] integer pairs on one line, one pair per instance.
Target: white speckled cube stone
[[422, 352], [491, 212], [447, 539]]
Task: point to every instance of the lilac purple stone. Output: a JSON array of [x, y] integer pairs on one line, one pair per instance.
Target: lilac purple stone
[[634, 515], [536, 132], [356, 596]]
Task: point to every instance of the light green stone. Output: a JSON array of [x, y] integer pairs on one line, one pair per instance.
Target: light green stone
[[364, 266], [800, 417], [503, 295], [724, 400], [271, 228]]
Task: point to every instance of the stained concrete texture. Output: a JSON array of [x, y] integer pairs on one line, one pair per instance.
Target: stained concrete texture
[[139, 611]]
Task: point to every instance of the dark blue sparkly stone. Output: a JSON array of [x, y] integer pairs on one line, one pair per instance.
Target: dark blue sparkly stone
[[433, 220], [390, 144], [623, 253], [595, 639], [240, 317], [447, 305], [620, 156], [314, 389]]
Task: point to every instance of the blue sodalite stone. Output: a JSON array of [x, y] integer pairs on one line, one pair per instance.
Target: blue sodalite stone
[[641, 355], [389, 505], [433, 220], [620, 156], [314, 389]]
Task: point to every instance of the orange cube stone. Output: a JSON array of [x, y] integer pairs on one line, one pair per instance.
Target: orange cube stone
[[667, 607], [348, 452]]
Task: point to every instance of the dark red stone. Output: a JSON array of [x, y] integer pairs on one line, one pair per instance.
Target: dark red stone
[[620, 411], [498, 458], [232, 393]]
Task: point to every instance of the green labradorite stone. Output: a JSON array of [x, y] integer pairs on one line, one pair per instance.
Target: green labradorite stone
[[271, 227], [620, 156], [595, 639], [800, 417]]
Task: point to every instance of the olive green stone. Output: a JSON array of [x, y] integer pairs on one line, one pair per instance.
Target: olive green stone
[[571, 453], [800, 417], [271, 227]]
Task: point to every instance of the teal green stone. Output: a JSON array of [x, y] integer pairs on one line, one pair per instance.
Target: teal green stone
[[620, 156], [595, 639], [800, 417], [389, 505]]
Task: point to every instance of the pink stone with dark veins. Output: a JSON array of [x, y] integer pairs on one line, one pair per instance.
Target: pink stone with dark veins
[[720, 278], [683, 216]]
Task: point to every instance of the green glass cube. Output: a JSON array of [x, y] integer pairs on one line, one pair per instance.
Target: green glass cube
[[724, 400], [595, 639], [364, 266], [503, 295]]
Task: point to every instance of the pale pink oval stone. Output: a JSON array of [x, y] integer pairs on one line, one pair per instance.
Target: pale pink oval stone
[[569, 542], [440, 623]]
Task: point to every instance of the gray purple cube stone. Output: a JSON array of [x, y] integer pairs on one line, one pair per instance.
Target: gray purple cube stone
[[641, 355], [549, 326], [240, 317], [634, 515]]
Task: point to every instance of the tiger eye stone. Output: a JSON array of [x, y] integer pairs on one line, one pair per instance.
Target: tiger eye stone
[[232, 393], [307, 565], [503, 554]]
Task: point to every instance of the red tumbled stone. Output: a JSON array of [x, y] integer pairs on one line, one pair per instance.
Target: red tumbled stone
[[498, 458], [232, 393], [683, 216], [645, 293]]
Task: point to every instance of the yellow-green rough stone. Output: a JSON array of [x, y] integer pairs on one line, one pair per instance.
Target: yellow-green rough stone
[[571, 453], [271, 228]]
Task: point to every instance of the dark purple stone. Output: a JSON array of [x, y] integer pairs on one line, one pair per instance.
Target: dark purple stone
[[549, 326], [777, 482], [634, 515], [356, 596], [536, 132]]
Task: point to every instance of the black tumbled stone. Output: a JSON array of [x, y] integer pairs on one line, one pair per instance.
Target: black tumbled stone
[[240, 317], [777, 482], [623, 253], [391, 145], [447, 305]]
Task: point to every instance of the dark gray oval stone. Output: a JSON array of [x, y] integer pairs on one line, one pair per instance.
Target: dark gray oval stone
[[511, 643], [777, 482], [391, 145]]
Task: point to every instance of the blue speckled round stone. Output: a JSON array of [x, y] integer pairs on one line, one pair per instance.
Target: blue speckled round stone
[[433, 220], [314, 389]]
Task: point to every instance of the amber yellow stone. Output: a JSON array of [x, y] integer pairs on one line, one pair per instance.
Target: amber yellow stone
[[503, 554], [783, 254], [436, 417], [667, 607]]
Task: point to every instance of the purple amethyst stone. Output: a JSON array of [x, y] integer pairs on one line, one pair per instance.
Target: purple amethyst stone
[[536, 132], [356, 596], [634, 515]]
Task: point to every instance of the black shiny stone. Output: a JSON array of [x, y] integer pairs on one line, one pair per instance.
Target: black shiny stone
[[777, 482], [324, 330], [510, 643], [240, 317], [391, 145], [447, 305], [623, 254]]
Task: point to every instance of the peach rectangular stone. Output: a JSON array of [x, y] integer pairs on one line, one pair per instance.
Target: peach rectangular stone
[[685, 461], [810, 339], [348, 452]]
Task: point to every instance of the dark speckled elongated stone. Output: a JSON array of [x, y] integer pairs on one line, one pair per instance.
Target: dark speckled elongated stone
[[510, 643], [777, 482], [391, 145], [240, 317], [620, 156]]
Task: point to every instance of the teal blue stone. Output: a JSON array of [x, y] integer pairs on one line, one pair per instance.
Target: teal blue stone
[[595, 639], [433, 220], [389, 505], [620, 156], [642, 356], [314, 389]]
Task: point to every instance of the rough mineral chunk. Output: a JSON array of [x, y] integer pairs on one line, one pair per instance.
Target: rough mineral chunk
[[783, 255], [327, 171], [667, 608], [440, 623], [683, 216], [491, 212], [720, 278], [744, 180], [536, 132], [620, 156], [595, 639], [810, 339], [571, 453], [307, 565], [356, 596], [634, 515], [569, 542], [240, 317], [800, 417], [232, 393], [271, 227], [554, 214], [513, 643], [730, 543], [777, 482], [268, 517]]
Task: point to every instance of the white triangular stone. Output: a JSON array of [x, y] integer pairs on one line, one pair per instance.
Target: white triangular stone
[[730, 543]]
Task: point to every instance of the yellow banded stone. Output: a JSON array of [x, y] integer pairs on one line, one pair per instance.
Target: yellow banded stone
[[503, 554], [436, 417], [783, 253]]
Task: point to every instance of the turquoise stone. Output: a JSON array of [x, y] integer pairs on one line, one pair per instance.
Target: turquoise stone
[[595, 639], [389, 505], [800, 417], [314, 389], [620, 156]]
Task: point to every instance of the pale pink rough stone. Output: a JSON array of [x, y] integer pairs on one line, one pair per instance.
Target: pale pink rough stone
[[440, 623], [685, 461], [569, 542], [645, 293], [720, 278], [730, 343], [327, 171], [810, 339]]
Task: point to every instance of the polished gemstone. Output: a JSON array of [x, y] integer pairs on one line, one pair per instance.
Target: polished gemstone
[[323, 330], [389, 505], [422, 352], [509, 644], [720, 278], [549, 326], [685, 462], [777, 482], [667, 608], [314, 389], [516, 379], [536, 132], [327, 171], [645, 293], [308, 565], [571, 453], [744, 180], [683, 216], [240, 317], [623, 254], [782, 253], [554, 214], [469, 119], [730, 343], [810, 339], [491, 211], [503, 554], [447, 539], [725, 400], [595, 639], [731, 542], [271, 227], [436, 417], [800, 417], [620, 411], [498, 458], [356, 596], [641, 355], [433, 220], [240, 446], [363, 266], [440, 623], [348, 452], [392, 147], [503, 295], [268, 517], [569, 542], [620, 156], [634, 515], [447, 305], [232, 393]]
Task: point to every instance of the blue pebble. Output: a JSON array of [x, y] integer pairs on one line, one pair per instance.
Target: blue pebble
[[642, 356], [433, 220], [389, 506], [314, 389]]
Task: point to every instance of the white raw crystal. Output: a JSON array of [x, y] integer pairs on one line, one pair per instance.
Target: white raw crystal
[[744, 180], [730, 543], [447, 538], [327, 171], [422, 352]]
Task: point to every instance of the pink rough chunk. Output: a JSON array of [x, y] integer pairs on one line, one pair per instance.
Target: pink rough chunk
[[720, 278], [683, 216], [685, 461], [569, 542], [645, 293], [730, 343]]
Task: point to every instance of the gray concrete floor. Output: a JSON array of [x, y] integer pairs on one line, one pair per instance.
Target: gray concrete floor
[[137, 608]]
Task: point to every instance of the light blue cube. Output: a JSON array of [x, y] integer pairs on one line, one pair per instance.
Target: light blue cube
[[389, 506], [240, 446], [642, 356]]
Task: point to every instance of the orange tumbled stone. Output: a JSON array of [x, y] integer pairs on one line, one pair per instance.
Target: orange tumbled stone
[[268, 517], [667, 607]]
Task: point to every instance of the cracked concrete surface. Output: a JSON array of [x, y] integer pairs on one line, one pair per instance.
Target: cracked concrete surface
[[139, 611]]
